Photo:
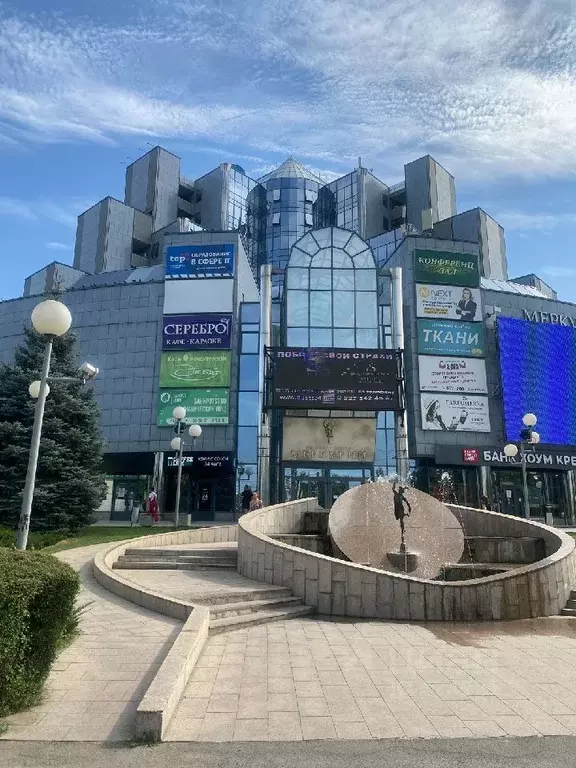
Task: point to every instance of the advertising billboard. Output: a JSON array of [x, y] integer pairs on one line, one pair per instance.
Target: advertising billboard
[[450, 303], [455, 413], [446, 268], [203, 406], [182, 297], [333, 440], [538, 369], [351, 379], [193, 261], [204, 331], [195, 369], [447, 337], [452, 374]]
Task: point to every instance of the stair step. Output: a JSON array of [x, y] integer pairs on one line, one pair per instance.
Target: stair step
[[225, 610], [260, 617], [171, 565], [496, 567], [571, 603], [568, 611], [191, 559], [218, 599], [171, 553]]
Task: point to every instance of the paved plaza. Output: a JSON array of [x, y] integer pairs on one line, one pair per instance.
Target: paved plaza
[[98, 681], [308, 679], [321, 679]]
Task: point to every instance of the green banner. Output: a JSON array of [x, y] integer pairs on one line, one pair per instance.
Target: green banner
[[195, 369], [446, 268], [203, 406]]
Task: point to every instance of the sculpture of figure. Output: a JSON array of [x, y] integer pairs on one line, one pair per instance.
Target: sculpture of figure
[[400, 502]]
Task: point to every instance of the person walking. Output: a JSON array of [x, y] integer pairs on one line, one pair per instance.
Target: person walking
[[152, 506], [256, 502], [246, 498]]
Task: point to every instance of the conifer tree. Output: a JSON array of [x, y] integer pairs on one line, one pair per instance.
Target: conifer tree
[[69, 480]]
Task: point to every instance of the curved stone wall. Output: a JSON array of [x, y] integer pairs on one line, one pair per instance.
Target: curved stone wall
[[116, 582], [340, 588]]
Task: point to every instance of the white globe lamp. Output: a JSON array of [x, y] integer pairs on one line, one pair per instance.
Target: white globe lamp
[[175, 443], [529, 420], [179, 413], [34, 389], [511, 450], [51, 318], [195, 431], [535, 437]]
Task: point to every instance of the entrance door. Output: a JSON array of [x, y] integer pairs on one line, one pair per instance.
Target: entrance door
[[205, 500]]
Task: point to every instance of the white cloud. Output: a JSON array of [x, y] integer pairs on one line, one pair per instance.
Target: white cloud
[[63, 212], [521, 220], [15, 208], [54, 246], [558, 271], [489, 88]]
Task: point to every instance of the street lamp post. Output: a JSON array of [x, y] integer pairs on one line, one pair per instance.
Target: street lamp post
[[51, 319], [177, 444], [527, 437]]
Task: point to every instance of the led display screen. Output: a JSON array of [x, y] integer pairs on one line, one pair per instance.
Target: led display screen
[[350, 379], [538, 367]]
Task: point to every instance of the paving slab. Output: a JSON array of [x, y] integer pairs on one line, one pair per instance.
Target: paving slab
[[96, 683], [338, 679]]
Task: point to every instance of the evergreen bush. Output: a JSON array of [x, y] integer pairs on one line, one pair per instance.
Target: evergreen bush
[[37, 614]]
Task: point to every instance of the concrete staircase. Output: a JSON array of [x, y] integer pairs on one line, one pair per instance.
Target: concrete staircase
[[489, 555], [570, 607], [178, 559], [231, 608]]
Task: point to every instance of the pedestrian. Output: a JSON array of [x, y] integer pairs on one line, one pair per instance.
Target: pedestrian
[[152, 506], [129, 505], [246, 498], [256, 502], [485, 504]]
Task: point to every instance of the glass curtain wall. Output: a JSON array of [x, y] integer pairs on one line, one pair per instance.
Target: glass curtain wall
[[247, 452], [331, 298], [239, 186], [338, 204]]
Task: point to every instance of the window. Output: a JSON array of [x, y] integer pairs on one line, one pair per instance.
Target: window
[[250, 342], [275, 218], [249, 372], [247, 444], [250, 313], [248, 409], [275, 195], [308, 219]]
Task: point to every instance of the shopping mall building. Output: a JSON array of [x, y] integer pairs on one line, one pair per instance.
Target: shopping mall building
[[165, 296]]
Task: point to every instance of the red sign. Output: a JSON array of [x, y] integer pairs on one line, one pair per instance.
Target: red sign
[[470, 455]]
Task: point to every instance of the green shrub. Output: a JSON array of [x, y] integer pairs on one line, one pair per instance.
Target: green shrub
[[37, 595]]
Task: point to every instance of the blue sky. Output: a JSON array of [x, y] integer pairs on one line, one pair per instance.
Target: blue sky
[[488, 87]]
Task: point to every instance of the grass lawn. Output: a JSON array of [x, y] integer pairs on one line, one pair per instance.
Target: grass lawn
[[102, 534]]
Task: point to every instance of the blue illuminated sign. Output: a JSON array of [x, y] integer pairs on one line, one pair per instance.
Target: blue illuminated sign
[[538, 366], [194, 261]]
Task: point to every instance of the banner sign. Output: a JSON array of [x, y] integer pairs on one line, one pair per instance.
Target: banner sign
[[545, 459], [452, 374], [332, 440], [446, 268], [445, 337], [450, 303], [203, 406], [455, 413], [195, 369], [351, 379], [205, 463], [193, 261], [196, 331]]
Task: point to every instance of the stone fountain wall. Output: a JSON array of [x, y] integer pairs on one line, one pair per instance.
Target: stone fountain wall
[[340, 588]]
